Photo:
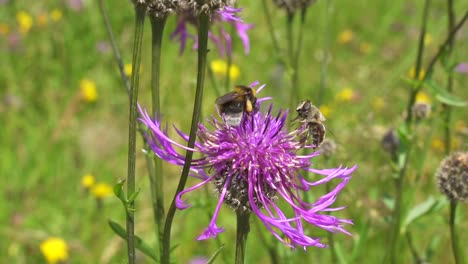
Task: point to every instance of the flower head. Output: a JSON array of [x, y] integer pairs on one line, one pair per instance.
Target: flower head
[[253, 165], [87, 181], [56, 15], [452, 176], [102, 190], [412, 73], [345, 36], [54, 250], [88, 90], [220, 68], [25, 21], [218, 34]]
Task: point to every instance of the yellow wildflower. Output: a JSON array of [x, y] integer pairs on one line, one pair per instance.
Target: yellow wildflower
[[4, 28], [345, 95], [25, 22], [365, 48], [427, 39], [102, 190], [412, 73], [326, 110], [378, 103], [88, 90], [87, 181], [56, 15], [42, 19], [437, 144], [422, 97], [345, 36], [54, 250], [219, 67], [128, 69]]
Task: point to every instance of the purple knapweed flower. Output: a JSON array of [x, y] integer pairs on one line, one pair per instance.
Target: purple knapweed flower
[[462, 68], [218, 34], [252, 166]]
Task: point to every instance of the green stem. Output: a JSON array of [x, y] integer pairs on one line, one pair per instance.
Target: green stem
[[414, 252], [157, 29], [139, 25], [447, 108], [243, 229], [413, 92], [274, 257], [292, 69], [229, 60], [326, 43], [202, 52], [397, 211], [115, 49], [453, 234], [271, 28]]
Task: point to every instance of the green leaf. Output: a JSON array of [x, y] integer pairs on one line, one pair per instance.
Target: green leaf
[[339, 253], [118, 191], [418, 211], [215, 255], [133, 196], [139, 243], [358, 243], [443, 96], [431, 248]]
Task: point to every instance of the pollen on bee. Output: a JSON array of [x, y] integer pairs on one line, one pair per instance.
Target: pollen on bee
[[248, 106]]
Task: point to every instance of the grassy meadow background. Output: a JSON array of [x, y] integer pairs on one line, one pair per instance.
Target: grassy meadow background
[[51, 137]]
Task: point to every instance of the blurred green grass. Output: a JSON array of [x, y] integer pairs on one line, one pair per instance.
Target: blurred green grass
[[40, 81]]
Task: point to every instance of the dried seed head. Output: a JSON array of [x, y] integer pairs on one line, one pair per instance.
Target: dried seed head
[[390, 142], [159, 8], [162, 8], [452, 176], [204, 6], [328, 148], [421, 110], [236, 195], [292, 6]]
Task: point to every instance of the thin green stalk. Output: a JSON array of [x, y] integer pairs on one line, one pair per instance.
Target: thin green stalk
[[414, 252], [397, 210], [413, 92], [202, 52], [453, 234], [115, 49], [447, 108], [324, 64], [157, 194], [271, 28], [139, 25], [213, 81], [243, 229], [229, 60], [291, 55], [274, 257]]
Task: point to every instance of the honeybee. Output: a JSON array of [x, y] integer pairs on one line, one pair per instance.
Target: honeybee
[[312, 118], [233, 105]]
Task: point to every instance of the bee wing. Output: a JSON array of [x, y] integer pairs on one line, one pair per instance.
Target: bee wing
[[227, 98]]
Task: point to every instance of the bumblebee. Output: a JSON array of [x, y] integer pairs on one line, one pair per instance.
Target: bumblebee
[[311, 117], [233, 105]]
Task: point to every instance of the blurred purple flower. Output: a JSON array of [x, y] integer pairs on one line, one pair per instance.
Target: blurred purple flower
[[252, 166], [103, 46], [218, 34], [462, 68], [75, 5]]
